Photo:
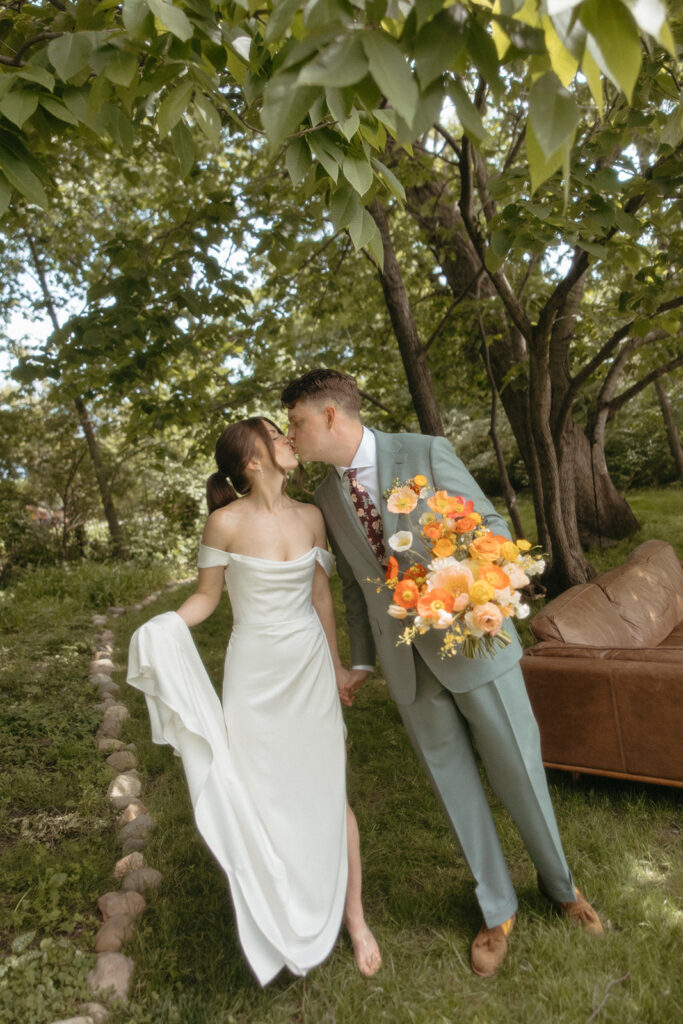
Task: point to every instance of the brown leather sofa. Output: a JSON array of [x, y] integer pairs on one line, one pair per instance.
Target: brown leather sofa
[[606, 676]]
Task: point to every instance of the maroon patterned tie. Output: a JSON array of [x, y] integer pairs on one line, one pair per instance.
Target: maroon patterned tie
[[370, 518]]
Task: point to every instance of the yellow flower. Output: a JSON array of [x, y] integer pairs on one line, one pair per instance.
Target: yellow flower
[[509, 551], [481, 592], [523, 545], [420, 481], [475, 516]]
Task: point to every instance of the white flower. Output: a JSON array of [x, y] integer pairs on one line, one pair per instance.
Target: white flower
[[401, 541], [397, 611], [531, 566], [444, 620], [422, 623], [522, 611], [437, 564], [518, 578]]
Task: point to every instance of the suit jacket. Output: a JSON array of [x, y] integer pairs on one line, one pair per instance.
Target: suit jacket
[[371, 629]]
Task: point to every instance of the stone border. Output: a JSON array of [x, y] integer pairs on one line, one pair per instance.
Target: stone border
[[111, 977]]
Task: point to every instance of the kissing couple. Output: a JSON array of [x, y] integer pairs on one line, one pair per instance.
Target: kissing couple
[[266, 770]]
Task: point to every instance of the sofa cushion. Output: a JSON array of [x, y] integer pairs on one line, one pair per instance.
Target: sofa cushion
[[582, 615], [646, 592], [649, 656]]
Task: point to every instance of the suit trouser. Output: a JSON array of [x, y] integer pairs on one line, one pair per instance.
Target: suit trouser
[[498, 719]]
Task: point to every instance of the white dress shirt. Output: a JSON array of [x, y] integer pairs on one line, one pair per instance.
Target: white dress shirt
[[365, 462]]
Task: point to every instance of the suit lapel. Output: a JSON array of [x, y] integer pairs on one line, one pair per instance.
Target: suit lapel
[[390, 458], [342, 518]]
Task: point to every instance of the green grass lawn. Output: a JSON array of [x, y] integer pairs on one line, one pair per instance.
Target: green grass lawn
[[57, 850]]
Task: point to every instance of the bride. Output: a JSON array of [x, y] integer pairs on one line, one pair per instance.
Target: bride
[[266, 773]]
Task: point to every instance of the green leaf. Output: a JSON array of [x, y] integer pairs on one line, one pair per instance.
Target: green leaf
[[468, 115], [392, 181], [34, 73], [392, 74], [540, 167], [122, 68], [135, 14], [595, 250], [327, 152], [613, 41], [344, 206], [342, 63], [297, 160], [350, 126], [172, 107], [361, 228], [5, 195], [437, 47], [118, 125], [70, 53], [22, 178], [18, 105], [358, 172], [208, 118], [58, 109], [321, 15], [183, 147], [425, 9], [172, 18], [284, 107], [553, 113], [280, 19], [482, 51]]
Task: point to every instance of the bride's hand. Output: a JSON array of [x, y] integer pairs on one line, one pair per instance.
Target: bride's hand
[[354, 680]]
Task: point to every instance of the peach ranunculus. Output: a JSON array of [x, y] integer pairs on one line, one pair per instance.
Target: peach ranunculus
[[518, 578], [481, 592], [457, 581], [433, 531], [406, 594], [443, 548], [459, 507], [494, 575], [486, 548], [465, 524], [392, 570], [486, 617], [402, 501], [433, 602]]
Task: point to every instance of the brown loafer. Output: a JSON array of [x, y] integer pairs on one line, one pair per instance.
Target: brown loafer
[[489, 948], [579, 910]]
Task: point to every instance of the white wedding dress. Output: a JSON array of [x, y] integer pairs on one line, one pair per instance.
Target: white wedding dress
[[266, 773]]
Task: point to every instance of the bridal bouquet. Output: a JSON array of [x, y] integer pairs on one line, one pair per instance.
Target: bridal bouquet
[[469, 586]]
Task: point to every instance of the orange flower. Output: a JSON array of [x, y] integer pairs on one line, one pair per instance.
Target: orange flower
[[433, 531], [440, 502], [402, 501], [486, 617], [406, 594], [486, 548], [419, 481], [457, 580], [459, 507], [443, 548], [494, 575], [464, 524], [434, 601], [392, 569]]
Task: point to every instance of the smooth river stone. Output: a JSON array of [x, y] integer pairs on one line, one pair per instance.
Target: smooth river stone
[[130, 904], [142, 880], [122, 760], [113, 719], [138, 828], [112, 971], [131, 862], [124, 789], [114, 932]]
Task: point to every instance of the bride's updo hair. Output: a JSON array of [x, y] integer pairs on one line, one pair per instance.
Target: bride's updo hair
[[235, 448]]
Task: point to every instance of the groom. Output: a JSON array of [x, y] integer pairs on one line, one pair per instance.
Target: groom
[[447, 706]]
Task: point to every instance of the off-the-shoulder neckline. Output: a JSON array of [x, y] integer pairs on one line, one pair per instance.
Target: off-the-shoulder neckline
[[271, 561]]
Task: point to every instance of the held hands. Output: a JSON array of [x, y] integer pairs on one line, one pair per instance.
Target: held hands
[[348, 681]]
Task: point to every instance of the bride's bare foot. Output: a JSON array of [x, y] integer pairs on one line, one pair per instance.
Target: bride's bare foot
[[365, 951]]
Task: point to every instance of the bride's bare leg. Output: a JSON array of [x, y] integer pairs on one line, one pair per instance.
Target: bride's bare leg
[[365, 948]]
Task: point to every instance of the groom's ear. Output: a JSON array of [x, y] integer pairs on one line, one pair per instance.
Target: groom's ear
[[330, 415]]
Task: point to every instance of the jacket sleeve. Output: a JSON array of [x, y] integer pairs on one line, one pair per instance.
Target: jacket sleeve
[[361, 640], [449, 474]]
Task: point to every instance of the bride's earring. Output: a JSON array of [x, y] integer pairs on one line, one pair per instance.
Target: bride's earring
[[260, 469]]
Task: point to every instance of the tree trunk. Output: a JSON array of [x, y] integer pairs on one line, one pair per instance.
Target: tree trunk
[[409, 344], [84, 418], [671, 431]]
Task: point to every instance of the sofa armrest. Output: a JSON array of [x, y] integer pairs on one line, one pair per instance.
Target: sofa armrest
[[659, 655]]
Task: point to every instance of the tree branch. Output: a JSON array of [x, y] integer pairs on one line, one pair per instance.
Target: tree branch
[[660, 371], [16, 61], [446, 317]]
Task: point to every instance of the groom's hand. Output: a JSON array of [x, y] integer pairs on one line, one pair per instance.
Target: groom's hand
[[355, 679]]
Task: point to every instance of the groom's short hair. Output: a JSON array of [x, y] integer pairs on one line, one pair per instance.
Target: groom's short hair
[[322, 386]]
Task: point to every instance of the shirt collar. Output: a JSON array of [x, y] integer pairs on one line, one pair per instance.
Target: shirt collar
[[366, 453]]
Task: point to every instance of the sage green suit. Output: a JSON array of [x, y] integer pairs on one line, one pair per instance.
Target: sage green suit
[[447, 705]]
